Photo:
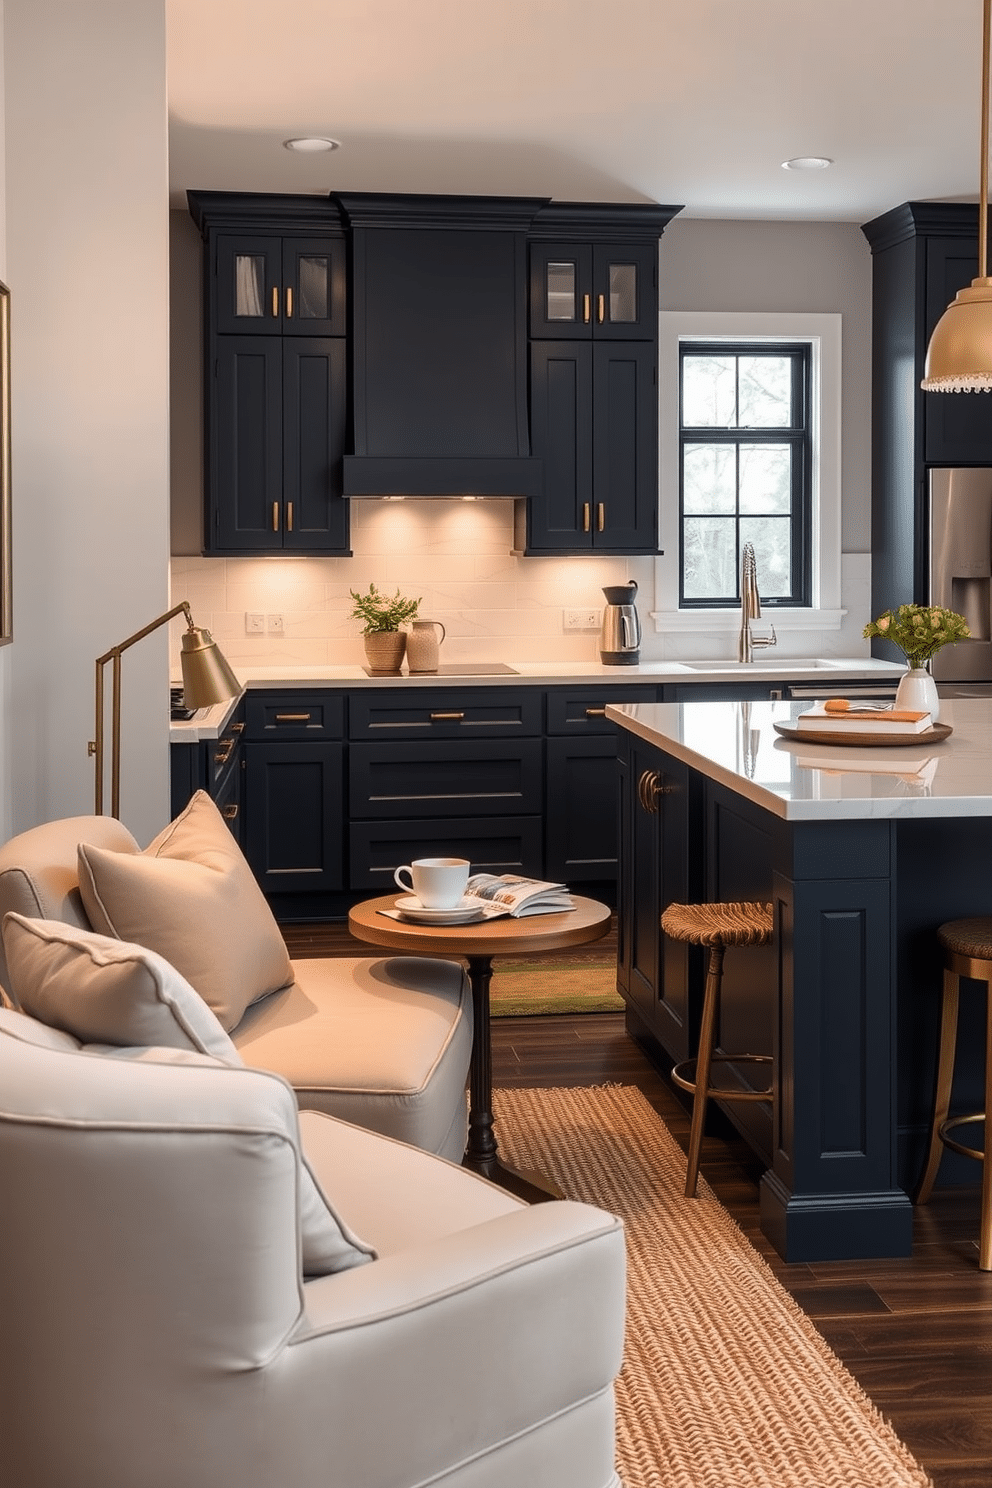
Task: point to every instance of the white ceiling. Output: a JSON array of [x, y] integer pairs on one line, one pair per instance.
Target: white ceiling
[[693, 102]]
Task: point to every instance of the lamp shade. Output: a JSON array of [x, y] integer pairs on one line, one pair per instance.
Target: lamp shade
[[959, 357], [207, 678]]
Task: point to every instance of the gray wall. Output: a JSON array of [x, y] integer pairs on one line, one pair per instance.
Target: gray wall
[[815, 266]]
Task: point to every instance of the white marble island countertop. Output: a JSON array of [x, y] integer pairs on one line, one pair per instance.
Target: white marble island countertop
[[737, 745]]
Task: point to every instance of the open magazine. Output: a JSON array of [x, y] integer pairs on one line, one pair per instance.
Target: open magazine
[[510, 894]]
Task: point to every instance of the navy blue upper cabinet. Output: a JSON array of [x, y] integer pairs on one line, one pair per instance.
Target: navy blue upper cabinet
[[594, 426], [586, 290], [279, 286], [276, 374], [922, 254]]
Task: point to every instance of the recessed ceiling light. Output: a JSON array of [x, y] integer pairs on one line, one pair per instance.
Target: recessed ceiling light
[[807, 162], [310, 145]]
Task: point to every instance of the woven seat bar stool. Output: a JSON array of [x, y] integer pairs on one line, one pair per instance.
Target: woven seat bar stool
[[967, 948], [715, 926]]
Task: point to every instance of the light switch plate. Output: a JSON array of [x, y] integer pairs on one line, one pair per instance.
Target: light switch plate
[[254, 623]]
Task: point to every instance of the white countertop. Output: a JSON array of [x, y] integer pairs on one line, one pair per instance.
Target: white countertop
[[209, 722], [737, 745]]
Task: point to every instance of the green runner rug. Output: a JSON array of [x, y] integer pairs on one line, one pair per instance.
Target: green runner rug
[[527, 988]]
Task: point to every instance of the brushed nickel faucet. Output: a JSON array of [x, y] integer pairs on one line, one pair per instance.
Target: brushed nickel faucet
[[750, 608]]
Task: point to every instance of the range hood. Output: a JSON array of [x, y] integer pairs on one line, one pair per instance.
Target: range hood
[[439, 346]]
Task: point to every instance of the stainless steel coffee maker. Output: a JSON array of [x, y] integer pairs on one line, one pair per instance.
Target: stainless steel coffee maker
[[620, 636]]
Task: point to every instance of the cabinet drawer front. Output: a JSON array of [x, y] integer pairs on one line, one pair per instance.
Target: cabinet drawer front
[[445, 714], [585, 712], [509, 845], [294, 715], [494, 778]]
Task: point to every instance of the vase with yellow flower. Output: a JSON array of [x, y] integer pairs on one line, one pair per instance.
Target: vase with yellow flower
[[919, 631]]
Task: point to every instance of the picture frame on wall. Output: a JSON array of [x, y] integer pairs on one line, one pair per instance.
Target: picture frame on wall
[[6, 605]]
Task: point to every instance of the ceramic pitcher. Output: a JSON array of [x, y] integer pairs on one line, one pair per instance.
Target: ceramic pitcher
[[422, 645]]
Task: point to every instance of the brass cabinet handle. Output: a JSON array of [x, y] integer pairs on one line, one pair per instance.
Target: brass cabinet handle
[[289, 516], [586, 308], [596, 712], [650, 788], [446, 717], [289, 302], [275, 300], [223, 754], [237, 728], [601, 308], [275, 516], [600, 516], [292, 718], [585, 516], [230, 812]]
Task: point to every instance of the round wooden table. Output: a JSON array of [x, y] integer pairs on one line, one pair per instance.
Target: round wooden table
[[478, 944]]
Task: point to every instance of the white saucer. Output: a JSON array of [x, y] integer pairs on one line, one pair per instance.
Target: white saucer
[[410, 907]]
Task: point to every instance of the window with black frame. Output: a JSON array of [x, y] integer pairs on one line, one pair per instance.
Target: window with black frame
[[745, 470]]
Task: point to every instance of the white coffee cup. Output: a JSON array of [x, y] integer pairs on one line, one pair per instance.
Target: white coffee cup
[[438, 883]]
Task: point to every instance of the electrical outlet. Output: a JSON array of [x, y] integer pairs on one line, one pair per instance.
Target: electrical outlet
[[273, 624], [580, 620], [254, 623]]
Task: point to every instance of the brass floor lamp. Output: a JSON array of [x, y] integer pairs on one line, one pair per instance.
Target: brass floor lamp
[[207, 679]]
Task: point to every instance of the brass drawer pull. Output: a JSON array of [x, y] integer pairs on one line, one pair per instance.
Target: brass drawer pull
[[230, 812], [275, 516], [601, 308], [586, 312], [289, 302], [601, 517], [596, 712], [275, 301], [446, 717], [237, 728], [585, 516], [289, 516], [224, 752], [292, 718]]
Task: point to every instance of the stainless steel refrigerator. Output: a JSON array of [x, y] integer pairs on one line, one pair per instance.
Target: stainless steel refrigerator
[[961, 568]]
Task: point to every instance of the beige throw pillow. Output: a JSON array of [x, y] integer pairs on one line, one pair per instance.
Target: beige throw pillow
[[191, 897], [107, 991]]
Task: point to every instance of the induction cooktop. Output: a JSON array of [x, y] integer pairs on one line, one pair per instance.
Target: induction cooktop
[[459, 669]]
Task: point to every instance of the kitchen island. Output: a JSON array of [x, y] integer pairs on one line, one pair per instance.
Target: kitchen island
[[863, 852]]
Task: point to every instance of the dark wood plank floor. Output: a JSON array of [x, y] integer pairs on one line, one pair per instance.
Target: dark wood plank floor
[[916, 1333]]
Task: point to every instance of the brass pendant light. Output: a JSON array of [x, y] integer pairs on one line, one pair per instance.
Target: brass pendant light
[[959, 357]]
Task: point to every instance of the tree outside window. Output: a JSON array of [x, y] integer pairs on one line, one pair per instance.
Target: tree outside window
[[745, 470]]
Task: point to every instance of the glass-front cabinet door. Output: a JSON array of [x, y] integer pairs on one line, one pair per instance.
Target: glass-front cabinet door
[[280, 286], [593, 291]]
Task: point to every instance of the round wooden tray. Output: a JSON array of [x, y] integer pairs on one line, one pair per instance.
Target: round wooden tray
[[931, 735]]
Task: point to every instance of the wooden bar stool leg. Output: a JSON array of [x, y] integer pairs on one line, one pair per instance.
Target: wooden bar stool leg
[[945, 1078], [985, 1233], [704, 1060]]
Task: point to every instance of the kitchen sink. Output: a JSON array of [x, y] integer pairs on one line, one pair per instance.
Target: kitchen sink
[[766, 664]]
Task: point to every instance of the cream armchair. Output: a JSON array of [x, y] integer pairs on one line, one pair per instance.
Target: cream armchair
[[383, 1042], [158, 1330]]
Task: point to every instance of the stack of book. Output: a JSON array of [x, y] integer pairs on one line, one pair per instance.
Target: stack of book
[[841, 716]]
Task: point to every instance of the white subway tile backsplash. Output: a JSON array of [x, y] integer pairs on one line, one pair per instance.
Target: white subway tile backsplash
[[457, 557]]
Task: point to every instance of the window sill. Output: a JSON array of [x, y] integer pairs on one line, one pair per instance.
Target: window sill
[[709, 622]]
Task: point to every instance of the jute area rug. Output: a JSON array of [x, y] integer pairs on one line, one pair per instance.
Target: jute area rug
[[726, 1383]]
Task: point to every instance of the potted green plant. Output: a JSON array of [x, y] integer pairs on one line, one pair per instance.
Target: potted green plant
[[381, 617], [919, 631]]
